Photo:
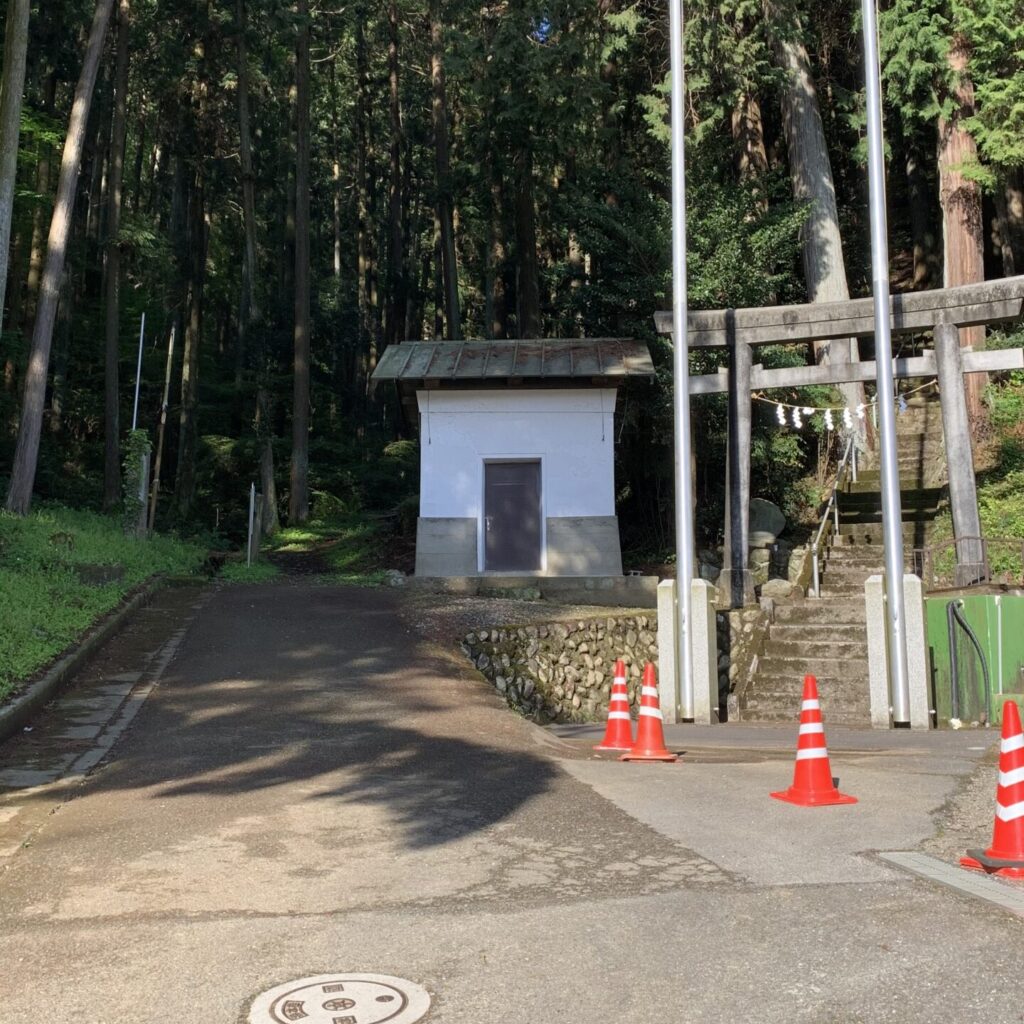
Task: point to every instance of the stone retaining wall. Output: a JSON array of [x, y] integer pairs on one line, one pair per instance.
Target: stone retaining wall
[[562, 671]]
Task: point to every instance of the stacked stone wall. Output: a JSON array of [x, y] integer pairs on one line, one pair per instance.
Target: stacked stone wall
[[562, 671]]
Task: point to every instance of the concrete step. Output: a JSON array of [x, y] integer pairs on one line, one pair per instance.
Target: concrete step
[[920, 497], [825, 668], [819, 632], [854, 718], [914, 534], [812, 649], [815, 611], [839, 572]]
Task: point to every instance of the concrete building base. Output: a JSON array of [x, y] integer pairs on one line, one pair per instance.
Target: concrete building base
[[446, 547], [584, 546]]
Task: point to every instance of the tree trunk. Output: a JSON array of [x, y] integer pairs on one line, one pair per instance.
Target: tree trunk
[[336, 183], [185, 476], [23, 470], [443, 174], [161, 433], [112, 445], [37, 251], [1001, 239], [496, 312], [748, 135], [963, 242], [268, 485], [250, 310], [395, 319], [1014, 193], [12, 86], [811, 176], [920, 219], [362, 199], [298, 497], [527, 273]]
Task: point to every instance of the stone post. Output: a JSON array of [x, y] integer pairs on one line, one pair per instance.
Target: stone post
[[878, 652], [956, 433], [736, 574], [704, 637], [917, 652], [668, 672]]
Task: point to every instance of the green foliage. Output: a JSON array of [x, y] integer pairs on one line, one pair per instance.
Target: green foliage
[[137, 447], [61, 570]]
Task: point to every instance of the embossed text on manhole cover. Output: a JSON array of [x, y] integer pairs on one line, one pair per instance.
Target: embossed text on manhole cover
[[342, 999]]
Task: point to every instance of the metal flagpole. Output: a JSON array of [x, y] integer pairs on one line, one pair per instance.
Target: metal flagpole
[[681, 371], [138, 372], [892, 516]]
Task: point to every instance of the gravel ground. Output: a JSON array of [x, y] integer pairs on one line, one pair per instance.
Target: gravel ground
[[446, 618], [965, 820]]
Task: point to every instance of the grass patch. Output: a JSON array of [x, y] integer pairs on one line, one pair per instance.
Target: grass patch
[[352, 545], [258, 572], [60, 571]]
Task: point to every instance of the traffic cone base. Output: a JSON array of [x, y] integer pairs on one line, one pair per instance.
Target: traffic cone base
[[978, 860], [1005, 857], [618, 733], [650, 737], [806, 799], [813, 785]]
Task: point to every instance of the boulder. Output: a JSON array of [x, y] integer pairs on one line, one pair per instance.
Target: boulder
[[766, 523]]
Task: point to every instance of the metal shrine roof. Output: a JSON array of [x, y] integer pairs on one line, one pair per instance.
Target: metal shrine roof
[[586, 359]]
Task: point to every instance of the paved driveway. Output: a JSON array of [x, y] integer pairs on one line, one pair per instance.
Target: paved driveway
[[308, 787]]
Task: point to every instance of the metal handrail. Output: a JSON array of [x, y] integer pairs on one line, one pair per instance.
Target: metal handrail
[[832, 509]]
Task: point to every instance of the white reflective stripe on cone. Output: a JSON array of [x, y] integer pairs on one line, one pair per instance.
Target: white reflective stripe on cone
[[649, 691], [619, 714], [809, 727], [811, 753], [811, 705], [1011, 813], [1011, 778], [1012, 743], [651, 712], [619, 680], [618, 698]]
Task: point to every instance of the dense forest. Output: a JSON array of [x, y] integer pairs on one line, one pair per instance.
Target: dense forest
[[284, 190]]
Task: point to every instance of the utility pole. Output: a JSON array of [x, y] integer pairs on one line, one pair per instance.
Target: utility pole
[[892, 514], [681, 372]]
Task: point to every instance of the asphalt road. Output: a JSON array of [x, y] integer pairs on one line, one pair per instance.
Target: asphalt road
[[309, 788]]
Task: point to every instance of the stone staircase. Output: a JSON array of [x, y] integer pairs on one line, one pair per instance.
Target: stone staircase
[[827, 636]]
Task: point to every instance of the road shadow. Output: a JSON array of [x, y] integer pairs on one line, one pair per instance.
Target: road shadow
[[321, 690]]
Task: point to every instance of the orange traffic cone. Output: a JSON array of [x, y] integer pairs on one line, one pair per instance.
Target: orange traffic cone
[[1006, 854], [812, 777], [650, 737], [618, 733]]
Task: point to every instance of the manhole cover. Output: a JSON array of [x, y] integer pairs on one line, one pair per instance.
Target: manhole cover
[[342, 999]]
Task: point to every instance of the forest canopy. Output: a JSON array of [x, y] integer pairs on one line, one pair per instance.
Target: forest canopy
[[287, 189]]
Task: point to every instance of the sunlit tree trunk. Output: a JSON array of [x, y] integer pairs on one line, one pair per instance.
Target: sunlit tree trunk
[[811, 175], [23, 470], [963, 236]]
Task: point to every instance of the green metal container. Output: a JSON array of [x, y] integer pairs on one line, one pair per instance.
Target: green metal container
[[998, 623]]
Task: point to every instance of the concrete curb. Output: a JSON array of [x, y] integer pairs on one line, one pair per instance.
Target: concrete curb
[[15, 715]]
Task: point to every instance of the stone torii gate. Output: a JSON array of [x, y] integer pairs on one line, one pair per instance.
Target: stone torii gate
[[942, 312]]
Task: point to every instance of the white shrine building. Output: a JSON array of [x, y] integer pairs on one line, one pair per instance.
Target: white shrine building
[[517, 468]]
